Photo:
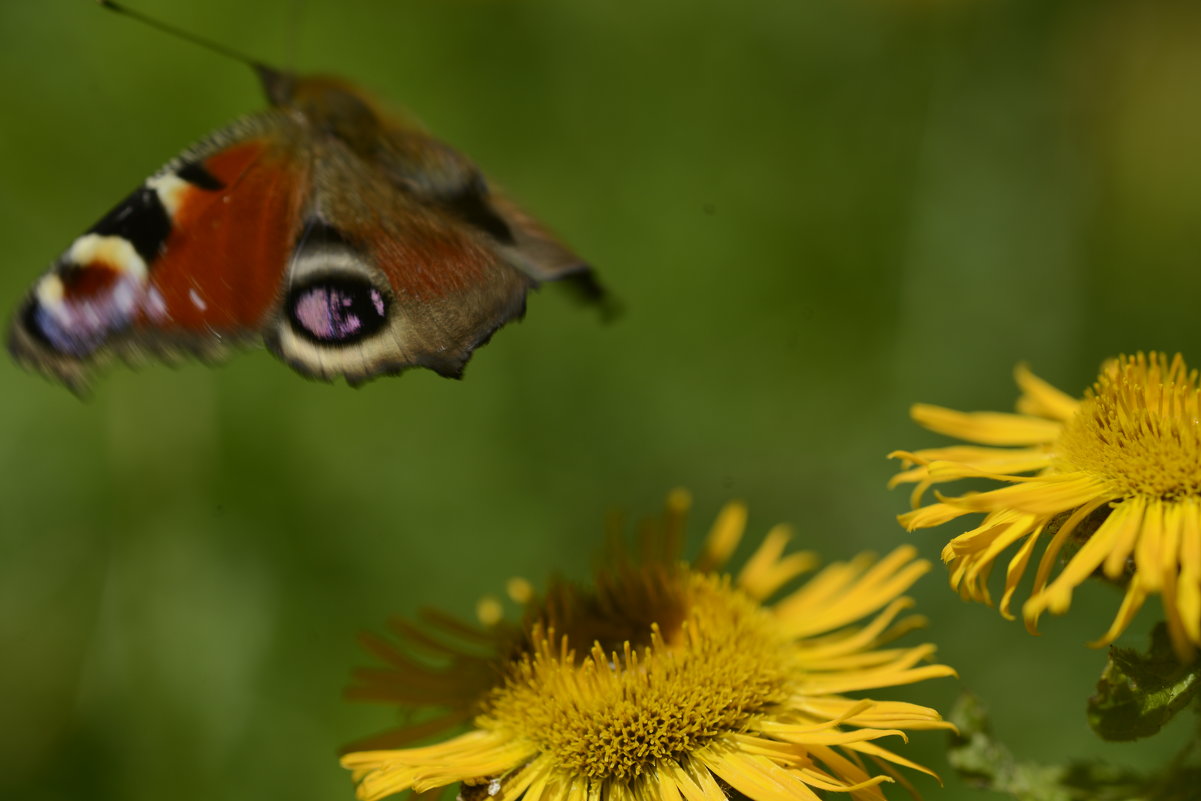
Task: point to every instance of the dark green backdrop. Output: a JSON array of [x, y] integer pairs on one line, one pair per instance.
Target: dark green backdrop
[[814, 212]]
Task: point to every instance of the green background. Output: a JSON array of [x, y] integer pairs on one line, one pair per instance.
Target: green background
[[814, 213]]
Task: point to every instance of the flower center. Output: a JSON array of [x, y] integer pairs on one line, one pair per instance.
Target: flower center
[[1139, 429], [616, 715]]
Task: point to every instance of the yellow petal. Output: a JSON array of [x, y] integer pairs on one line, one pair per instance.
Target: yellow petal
[[822, 648], [767, 570], [1189, 593], [687, 785], [987, 428], [806, 612], [1149, 549], [700, 774], [1135, 596], [929, 516], [1058, 596], [1017, 569], [1131, 525], [755, 776], [1047, 495], [723, 537], [987, 460], [1042, 399], [1172, 525]]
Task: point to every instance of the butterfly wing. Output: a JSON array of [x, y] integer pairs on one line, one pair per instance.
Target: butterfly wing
[[383, 279], [354, 245], [409, 258], [188, 264]]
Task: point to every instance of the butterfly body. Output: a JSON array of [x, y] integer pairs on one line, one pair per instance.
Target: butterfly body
[[350, 242]]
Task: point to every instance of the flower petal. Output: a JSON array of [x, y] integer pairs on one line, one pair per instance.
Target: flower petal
[[1058, 596], [1135, 597], [1170, 566], [1017, 569], [987, 460], [1048, 495], [1189, 592], [768, 570], [987, 428], [723, 538], [755, 776], [1040, 398]]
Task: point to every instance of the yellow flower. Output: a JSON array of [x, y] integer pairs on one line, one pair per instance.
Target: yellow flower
[[663, 680], [1116, 487]]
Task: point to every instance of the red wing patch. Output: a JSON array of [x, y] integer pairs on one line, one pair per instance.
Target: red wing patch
[[451, 291], [222, 265], [430, 264], [92, 280]]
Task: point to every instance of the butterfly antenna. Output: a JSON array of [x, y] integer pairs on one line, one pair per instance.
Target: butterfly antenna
[[187, 36]]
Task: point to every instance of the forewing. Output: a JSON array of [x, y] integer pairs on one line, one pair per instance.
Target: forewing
[[188, 264]]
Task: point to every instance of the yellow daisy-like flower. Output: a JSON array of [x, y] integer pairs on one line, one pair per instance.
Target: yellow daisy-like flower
[[1116, 487], [662, 681]]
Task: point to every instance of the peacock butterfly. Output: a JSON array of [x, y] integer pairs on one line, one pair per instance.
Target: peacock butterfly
[[350, 242]]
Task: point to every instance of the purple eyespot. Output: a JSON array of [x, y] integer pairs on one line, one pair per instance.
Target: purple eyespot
[[337, 311]]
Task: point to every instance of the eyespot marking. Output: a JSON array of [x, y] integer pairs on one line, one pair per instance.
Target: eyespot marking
[[337, 310]]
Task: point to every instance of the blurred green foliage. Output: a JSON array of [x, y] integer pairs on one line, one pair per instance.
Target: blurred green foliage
[[815, 212]]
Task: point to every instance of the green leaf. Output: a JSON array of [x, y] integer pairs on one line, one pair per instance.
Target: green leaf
[[1139, 693]]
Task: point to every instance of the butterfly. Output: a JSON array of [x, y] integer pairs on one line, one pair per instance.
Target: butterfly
[[348, 241]]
